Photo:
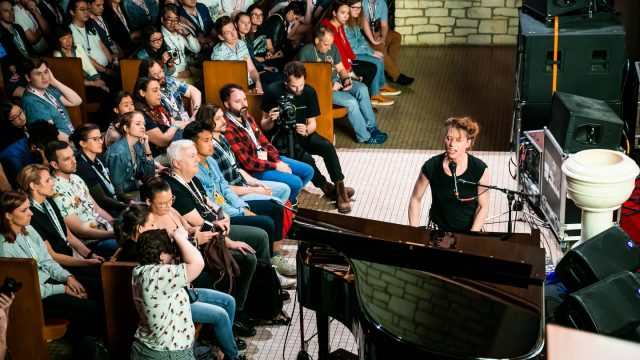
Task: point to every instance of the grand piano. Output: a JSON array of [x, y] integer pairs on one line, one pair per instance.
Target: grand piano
[[411, 293]]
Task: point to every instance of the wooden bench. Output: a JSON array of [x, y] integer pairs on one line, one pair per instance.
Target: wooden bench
[[69, 71], [319, 77], [28, 331], [120, 310]]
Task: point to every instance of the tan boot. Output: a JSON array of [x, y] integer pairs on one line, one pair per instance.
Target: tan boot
[[329, 191], [344, 206]]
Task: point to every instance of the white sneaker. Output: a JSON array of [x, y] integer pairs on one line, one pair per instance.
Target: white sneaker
[[282, 266], [285, 282]]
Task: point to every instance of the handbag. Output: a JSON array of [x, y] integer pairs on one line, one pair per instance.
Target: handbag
[[219, 259]]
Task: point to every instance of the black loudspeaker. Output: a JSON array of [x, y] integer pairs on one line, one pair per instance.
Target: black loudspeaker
[[580, 123], [605, 254], [548, 8], [610, 306], [591, 60]]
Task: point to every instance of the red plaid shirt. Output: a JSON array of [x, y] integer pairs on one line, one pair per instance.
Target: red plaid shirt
[[246, 151]]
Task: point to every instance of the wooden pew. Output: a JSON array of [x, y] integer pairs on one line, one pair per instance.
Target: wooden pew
[[319, 77], [69, 71], [28, 331]]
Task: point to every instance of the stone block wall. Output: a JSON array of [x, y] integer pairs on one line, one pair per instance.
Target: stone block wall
[[457, 22]]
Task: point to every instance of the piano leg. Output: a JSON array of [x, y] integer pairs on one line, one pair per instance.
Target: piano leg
[[322, 323]]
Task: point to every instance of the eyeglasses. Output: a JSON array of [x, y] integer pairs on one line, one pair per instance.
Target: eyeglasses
[[228, 33], [158, 39], [174, 20], [356, 7], [257, 15], [16, 116], [95, 138], [167, 203]]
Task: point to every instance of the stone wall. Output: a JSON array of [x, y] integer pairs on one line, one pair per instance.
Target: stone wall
[[457, 22]]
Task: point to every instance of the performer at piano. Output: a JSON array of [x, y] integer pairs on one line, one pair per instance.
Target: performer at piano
[[455, 206]]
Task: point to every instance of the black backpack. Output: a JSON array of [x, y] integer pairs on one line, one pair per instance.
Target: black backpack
[[264, 301]]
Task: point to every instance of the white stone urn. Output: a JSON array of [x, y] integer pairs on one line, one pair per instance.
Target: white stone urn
[[598, 181]]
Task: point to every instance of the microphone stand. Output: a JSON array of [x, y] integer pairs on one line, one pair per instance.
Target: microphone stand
[[511, 196]]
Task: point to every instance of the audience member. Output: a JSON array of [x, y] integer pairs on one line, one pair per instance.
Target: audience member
[[18, 50], [256, 34], [384, 39], [96, 9], [66, 249], [62, 295], [154, 47], [299, 31], [46, 98], [121, 29], [34, 24], [28, 150], [133, 221], [130, 159], [275, 28], [90, 168], [52, 12], [179, 38], [263, 214], [160, 127], [173, 90], [141, 13], [307, 141], [346, 92], [268, 74], [214, 7], [86, 219], [243, 184], [122, 104], [196, 15], [230, 49], [13, 124], [254, 153]]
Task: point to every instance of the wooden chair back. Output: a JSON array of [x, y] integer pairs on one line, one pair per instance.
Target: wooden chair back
[[69, 71], [120, 311], [319, 77], [219, 73], [129, 73], [28, 331]]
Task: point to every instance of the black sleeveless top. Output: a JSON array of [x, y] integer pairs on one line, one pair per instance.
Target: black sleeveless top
[[447, 212]]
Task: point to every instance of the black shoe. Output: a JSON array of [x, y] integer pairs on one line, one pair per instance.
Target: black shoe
[[241, 329], [241, 344], [284, 294], [239, 357], [404, 80]]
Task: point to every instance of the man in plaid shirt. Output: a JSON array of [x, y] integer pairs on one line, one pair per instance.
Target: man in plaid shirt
[[253, 151]]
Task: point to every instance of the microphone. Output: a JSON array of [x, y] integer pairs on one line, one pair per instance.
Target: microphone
[[452, 168]]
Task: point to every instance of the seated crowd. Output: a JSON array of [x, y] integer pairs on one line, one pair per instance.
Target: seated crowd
[[158, 176]]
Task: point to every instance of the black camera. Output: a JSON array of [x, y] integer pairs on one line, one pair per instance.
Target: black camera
[[10, 286], [287, 111], [173, 53]]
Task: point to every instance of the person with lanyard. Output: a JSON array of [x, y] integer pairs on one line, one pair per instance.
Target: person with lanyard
[[243, 184], [120, 27], [160, 127], [196, 15], [230, 49], [86, 219], [455, 206], [17, 51], [34, 24], [96, 9], [63, 296], [173, 90], [64, 247], [263, 214], [90, 168], [279, 48], [141, 13], [254, 153], [268, 74], [46, 98], [179, 38], [130, 159]]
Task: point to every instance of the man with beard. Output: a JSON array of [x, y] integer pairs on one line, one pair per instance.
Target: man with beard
[[172, 90], [307, 141], [253, 151]]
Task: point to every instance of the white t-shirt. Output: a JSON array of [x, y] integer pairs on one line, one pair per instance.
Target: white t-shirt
[[26, 20], [90, 42]]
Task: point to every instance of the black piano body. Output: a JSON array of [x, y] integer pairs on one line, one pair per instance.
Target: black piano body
[[410, 293]]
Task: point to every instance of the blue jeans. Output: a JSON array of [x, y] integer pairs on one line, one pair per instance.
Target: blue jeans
[[301, 174], [359, 110], [279, 192], [379, 80], [216, 308]]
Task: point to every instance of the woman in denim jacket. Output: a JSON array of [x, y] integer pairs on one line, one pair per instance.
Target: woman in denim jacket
[[129, 159]]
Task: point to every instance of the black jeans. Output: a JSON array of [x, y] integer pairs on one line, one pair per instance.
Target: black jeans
[[270, 218], [86, 316], [315, 144]]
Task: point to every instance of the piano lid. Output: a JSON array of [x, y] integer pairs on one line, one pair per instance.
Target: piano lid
[[477, 256]]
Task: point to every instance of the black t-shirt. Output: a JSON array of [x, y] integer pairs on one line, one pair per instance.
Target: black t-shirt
[[86, 169], [447, 211], [306, 107], [48, 231], [275, 28], [186, 201]]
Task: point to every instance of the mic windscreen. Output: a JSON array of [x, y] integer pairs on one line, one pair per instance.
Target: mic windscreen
[[452, 167]]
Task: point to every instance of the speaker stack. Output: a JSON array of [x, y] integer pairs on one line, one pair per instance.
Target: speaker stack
[[603, 285]]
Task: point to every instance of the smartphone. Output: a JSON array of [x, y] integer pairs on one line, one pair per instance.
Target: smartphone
[[206, 226]]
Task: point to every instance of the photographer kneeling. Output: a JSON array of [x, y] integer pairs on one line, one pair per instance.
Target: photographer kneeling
[[292, 107]]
